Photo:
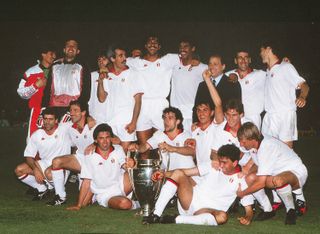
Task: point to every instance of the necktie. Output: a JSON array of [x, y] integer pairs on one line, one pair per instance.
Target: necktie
[[214, 82]]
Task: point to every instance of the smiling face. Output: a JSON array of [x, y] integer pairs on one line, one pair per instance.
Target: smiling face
[[49, 122], [119, 59], [215, 66], [243, 61], [186, 50], [153, 46], [170, 121], [76, 114], [71, 50], [204, 113], [48, 58], [103, 141], [233, 118]]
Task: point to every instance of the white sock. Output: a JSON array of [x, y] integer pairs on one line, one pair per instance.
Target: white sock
[[276, 198], [299, 194], [31, 181], [168, 190], [58, 181], [263, 200], [201, 219], [50, 184], [67, 173], [285, 194]]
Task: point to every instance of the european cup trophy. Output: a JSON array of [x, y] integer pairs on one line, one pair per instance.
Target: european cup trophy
[[145, 189]]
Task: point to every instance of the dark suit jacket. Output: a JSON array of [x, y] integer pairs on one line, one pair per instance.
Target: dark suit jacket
[[226, 89]]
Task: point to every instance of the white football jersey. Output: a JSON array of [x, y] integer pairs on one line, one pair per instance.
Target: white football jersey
[[83, 139], [176, 160], [104, 173], [49, 146]]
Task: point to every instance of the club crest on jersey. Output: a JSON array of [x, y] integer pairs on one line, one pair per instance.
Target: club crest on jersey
[[85, 136], [178, 144], [112, 160], [145, 65], [158, 64], [272, 75], [231, 180], [100, 163], [123, 80], [247, 82], [43, 138], [55, 136]]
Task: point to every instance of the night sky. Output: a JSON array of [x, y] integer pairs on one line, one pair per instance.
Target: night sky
[[216, 26]]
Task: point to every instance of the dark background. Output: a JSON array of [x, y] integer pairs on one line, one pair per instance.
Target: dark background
[[216, 26]]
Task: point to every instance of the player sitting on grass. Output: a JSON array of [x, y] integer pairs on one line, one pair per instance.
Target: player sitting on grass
[[103, 174], [207, 202]]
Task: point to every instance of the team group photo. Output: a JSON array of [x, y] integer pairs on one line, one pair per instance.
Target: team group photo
[[157, 131]]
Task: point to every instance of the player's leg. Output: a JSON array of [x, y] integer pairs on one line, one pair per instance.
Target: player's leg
[[180, 183], [25, 174], [120, 202], [284, 182], [143, 136], [68, 162]]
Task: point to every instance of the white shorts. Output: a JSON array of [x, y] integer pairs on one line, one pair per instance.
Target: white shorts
[[44, 164], [281, 125], [151, 114], [256, 119], [80, 158], [301, 173], [120, 131], [194, 205], [115, 190]]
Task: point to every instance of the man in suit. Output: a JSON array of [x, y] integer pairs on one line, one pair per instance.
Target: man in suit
[[226, 89]]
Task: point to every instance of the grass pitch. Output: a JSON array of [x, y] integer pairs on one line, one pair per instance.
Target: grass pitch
[[18, 214]]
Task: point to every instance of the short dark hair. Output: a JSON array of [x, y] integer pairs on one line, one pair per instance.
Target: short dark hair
[[277, 49], [50, 111], [235, 104], [177, 113], [229, 151], [218, 56], [111, 53], [83, 105], [102, 128], [46, 47], [189, 40]]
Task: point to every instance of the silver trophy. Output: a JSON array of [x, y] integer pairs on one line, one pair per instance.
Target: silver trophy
[[145, 189]]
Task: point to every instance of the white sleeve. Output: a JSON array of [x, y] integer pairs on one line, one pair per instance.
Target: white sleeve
[[132, 63], [172, 60], [121, 156], [31, 148], [205, 167], [293, 77], [26, 92], [248, 199], [85, 168]]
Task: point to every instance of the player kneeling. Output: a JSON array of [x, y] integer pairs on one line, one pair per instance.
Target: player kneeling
[[207, 202], [103, 174]]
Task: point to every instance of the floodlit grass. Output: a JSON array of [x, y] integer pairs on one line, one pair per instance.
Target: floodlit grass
[[18, 214]]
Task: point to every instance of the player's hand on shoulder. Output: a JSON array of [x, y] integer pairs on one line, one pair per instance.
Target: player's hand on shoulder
[[90, 149], [233, 78]]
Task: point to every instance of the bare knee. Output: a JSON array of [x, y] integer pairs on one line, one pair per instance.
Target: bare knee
[[221, 217], [177, 175], [57, 163], [48, 174], [124, 204], [19, 170], [278, 181]]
